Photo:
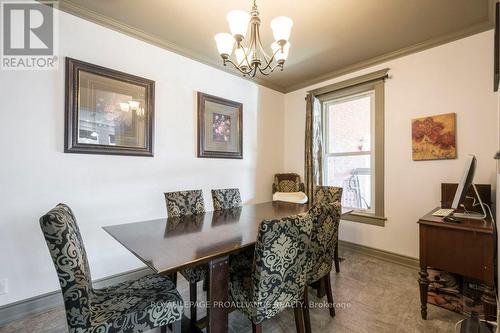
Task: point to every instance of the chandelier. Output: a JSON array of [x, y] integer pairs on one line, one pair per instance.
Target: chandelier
[[251, 56]]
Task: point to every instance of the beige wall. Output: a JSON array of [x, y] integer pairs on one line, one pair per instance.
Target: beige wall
[[455, 77]]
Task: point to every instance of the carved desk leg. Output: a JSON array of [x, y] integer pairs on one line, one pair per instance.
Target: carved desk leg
[[489, 304], [424, 287]]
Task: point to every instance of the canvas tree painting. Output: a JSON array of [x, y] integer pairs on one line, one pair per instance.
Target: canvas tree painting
[[434, 137]]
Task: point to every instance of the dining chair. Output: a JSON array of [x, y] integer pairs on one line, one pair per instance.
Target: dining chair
[[133, 306], [226, 198], [274, 279], [325, 220], [330, 194], [182, 203]]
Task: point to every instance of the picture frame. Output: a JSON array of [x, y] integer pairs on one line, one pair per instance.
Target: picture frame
[[220, 127], [434, 137], [107, 112]]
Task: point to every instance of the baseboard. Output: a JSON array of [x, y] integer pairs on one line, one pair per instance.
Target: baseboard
[[52, 300], [381, 254]]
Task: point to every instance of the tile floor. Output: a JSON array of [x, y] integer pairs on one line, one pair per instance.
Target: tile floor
[[376, 296]]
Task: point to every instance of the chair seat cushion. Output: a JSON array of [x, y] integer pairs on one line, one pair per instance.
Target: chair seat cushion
[[195, 274], [134, 306], [295, 197]]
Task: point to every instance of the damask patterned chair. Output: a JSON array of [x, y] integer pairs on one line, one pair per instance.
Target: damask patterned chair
[[226, 198], [133, 306], [288, 187], [325, 218], [187, 203], [275, 278], [330, 194]]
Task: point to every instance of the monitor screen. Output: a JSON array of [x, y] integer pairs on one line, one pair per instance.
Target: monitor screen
[[465, 182]]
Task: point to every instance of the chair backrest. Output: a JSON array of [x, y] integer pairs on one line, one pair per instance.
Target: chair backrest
[[281, 269], [329, 194], [70, 260], [184, 202], [226, 198], [287, 182], [324, 236]]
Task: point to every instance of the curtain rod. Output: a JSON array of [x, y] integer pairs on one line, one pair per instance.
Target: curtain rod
[[360, 80]]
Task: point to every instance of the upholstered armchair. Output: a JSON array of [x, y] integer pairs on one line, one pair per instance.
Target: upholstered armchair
[[324, 236], [330, 194], [130, 307], [275, 277], [288, 187], [187, 203]]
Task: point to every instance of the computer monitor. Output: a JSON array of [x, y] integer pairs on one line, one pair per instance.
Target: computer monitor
[[463, 188]]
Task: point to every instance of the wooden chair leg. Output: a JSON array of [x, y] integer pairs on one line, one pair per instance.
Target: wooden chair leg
[[256, 328], [329, 295], [321, 288], [177, 326], [336, 258], [192, 298], [305, 310], [299, 320]]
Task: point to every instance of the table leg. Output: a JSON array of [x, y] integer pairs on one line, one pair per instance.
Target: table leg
[[218, 294], [424, 287], [489, 304]]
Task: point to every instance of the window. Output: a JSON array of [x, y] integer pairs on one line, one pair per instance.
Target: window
[[353, 129], [348, 153]]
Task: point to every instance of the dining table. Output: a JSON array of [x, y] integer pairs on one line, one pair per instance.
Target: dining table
[[168, 245]]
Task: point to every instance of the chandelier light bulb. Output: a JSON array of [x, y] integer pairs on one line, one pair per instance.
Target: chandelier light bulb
[[240, 56], [281, 55], [225, 43], [238, 23], [282, 28]]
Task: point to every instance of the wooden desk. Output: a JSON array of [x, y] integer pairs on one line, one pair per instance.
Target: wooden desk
[[171, 244], [465, 248]]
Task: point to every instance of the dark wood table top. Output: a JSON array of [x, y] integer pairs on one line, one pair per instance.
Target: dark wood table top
[[483, 226], [170, 244]]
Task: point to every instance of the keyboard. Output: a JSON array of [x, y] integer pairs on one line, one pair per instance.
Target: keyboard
[[443, 212]]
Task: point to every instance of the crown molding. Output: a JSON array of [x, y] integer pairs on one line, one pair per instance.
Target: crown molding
[[102, 20], [71, 8], [482, 27]]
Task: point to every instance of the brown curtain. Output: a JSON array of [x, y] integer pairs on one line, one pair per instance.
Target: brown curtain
[[313, 166]]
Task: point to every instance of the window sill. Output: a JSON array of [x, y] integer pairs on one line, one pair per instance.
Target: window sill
[[365, 218]]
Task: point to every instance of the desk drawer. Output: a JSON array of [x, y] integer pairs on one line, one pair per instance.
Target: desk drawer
[[463, 252]]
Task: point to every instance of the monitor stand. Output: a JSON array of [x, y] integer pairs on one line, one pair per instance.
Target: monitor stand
[[473, 215]]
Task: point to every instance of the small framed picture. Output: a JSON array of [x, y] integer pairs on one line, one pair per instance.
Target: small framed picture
[[220, 127], [107, 111]]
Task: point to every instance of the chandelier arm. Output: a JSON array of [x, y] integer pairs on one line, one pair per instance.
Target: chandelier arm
[[245, 53], [255, 68], [259, 40], [270, 62], [238, 67], [263, 72]]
